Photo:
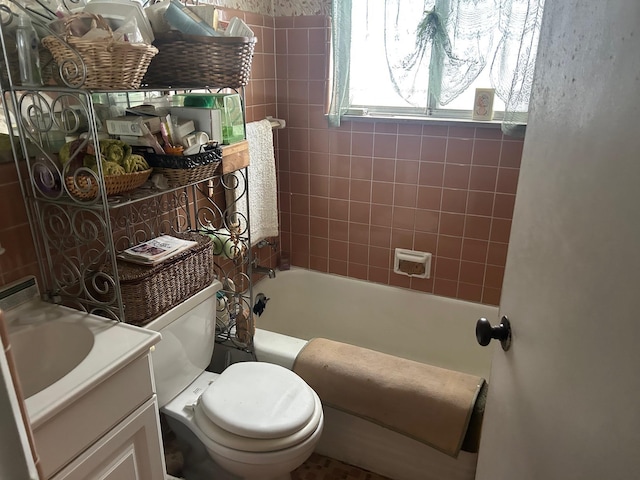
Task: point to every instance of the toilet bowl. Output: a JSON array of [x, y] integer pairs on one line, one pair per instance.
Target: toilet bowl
[[255, 420]]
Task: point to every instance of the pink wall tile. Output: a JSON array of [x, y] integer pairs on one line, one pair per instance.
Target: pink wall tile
[[361, 167], [434, 149], [405, 195], [459, 150], [382, 192], [429, 198], [409, 147], [449, 247], [451, 224], [427, 221], [486, 152], [407, 171], [431, 173]]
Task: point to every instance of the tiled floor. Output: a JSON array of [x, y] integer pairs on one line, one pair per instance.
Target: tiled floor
[[318, 467]]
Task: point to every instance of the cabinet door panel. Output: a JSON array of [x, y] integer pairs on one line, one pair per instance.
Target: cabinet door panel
[[130, 451]]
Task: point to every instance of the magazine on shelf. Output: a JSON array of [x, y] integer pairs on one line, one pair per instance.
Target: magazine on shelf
[[156, 250]]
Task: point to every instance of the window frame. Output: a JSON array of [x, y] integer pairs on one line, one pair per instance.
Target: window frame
[[428, 113]]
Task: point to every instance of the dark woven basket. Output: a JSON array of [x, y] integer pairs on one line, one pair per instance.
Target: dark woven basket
[[194, 60], [148, 292], [182, 170]]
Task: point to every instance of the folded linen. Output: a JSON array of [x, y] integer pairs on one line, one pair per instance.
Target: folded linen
[[430, 404]]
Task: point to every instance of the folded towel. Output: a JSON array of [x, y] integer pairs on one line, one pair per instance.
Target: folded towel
[[430, 404], [262, 186]]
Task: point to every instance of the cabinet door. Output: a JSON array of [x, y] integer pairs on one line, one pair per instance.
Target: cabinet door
[[130, 451]]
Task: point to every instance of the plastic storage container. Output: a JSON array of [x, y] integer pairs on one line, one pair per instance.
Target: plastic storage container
[[229, 105]]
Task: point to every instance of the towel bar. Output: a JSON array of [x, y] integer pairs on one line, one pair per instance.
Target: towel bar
[[276, 123]]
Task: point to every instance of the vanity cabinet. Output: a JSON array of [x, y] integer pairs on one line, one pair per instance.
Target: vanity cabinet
[[129, 451], [131, 448], [112, 431]]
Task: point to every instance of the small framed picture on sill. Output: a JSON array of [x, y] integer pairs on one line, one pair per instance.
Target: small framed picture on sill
[[483, 104]]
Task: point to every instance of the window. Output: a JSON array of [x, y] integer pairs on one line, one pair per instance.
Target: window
[[472, 44]]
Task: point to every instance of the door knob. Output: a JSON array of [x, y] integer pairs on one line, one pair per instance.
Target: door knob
[[485, 332]]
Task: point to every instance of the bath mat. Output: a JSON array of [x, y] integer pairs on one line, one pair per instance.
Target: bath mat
[[430, 404]]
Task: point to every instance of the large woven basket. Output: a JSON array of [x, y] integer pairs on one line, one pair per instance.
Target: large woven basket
[[148, 292], [193, 60], [85, 187], [108, 64]]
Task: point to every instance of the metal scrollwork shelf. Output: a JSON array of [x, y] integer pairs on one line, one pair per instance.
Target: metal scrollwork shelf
[[78, 227]]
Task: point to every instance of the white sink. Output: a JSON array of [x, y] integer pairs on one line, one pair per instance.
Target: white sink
[[46, 352], [61, 354]]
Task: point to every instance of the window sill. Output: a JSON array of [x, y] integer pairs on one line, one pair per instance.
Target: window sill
[[516, 131], [424, 120]]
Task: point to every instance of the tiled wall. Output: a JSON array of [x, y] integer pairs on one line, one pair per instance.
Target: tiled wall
[[349, 196], [19, 258]]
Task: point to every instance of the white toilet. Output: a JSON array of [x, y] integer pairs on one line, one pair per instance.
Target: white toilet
[[255, 420]]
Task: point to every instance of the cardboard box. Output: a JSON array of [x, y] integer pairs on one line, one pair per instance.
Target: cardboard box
[[235, 157], [205, 120], [132, 125]]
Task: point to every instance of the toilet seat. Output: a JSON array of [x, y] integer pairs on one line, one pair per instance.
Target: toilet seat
[[258, 407]]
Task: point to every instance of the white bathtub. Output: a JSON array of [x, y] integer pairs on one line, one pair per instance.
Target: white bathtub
[[440, 331]]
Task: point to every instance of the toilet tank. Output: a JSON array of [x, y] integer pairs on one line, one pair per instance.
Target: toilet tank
[[188, 338]]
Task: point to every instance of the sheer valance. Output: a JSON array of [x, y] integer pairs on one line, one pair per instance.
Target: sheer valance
[[435, 49]]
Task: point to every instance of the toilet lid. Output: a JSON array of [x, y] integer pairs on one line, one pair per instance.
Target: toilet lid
[[229, 440], [258, 400]]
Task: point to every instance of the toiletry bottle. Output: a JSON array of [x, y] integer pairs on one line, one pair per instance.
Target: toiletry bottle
[[28, 56], [184, 20]]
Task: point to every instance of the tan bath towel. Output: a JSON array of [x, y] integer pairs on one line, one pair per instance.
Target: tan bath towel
[[430, 404]]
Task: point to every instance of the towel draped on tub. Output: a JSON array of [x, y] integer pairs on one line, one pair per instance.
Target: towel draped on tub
[[430, 404]]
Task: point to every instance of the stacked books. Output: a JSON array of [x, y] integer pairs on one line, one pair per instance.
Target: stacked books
[[156, 250]]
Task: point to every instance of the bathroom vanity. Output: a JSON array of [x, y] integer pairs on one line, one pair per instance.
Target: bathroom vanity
[[90, 394], [118, 420]]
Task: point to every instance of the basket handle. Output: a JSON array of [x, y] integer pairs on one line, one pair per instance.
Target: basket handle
[[97, 21]]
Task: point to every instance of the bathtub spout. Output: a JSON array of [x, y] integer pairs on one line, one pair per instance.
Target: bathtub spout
[[266, 270], [255, 268]]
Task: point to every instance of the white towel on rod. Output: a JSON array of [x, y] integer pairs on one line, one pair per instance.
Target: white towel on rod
[[262, 185]]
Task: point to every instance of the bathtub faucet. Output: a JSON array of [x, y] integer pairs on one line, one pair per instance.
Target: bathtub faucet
[[265, 243], [255, 268]]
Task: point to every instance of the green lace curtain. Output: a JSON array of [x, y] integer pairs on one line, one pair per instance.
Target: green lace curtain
[[341, 54], [452, 42]]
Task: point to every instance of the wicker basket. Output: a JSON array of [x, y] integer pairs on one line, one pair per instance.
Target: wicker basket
[[148, 292], [193, 60], [182, 170], [85, 187], [109, 64]]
